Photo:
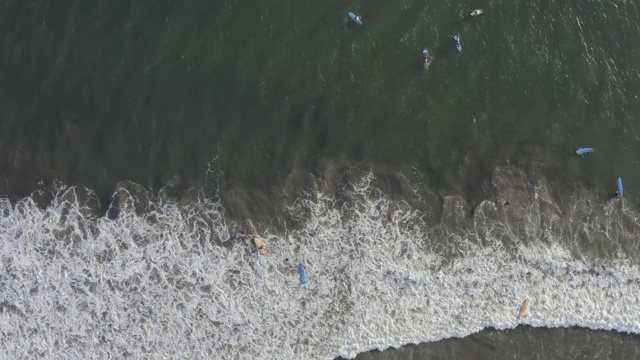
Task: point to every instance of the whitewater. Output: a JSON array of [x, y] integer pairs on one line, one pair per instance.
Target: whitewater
[[167, 278]]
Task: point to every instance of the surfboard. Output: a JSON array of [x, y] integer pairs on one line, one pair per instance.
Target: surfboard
[[620, 187], [523, 309], [583, 151], [259, 246], [303, 274], [354, 17], [476, 12], [456, 38]]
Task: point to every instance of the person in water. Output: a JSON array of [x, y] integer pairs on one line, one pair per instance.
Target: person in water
[[425, 58], [358, 18]]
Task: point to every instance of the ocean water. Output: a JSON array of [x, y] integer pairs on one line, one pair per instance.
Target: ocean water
[[426, 205]]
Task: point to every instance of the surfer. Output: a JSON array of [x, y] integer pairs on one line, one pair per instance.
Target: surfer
[[425, 57], [358, 19], [456, 39], [618, 193]]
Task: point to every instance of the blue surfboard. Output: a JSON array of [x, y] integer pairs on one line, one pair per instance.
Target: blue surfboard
[[354, 18], [456, 39], [620, 187], [583, 151], [303, 274]]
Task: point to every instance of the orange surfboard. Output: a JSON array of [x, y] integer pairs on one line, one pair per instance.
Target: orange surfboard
[[523, 309], [259, 246]]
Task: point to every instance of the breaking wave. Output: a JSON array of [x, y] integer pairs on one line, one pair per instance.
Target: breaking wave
[[165, 278]]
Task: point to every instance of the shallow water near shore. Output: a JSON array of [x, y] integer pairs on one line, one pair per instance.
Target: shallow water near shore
[[522, 342]]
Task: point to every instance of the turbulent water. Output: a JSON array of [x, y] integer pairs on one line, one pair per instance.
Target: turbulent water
[[159, 278]]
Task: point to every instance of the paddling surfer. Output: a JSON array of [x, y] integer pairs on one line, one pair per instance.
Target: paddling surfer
[[425, 58]]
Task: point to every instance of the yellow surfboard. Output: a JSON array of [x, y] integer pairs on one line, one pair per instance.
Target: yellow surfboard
[[259, 246], [523, 309]]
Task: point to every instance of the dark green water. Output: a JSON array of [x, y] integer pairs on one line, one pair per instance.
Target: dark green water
[[98, 93], [159, 92]]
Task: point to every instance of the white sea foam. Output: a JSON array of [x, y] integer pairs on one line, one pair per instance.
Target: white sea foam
[[169, 282]]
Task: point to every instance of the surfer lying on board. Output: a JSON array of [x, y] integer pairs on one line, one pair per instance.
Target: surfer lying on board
[[425, 57], [358, 18], [456, 40]]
